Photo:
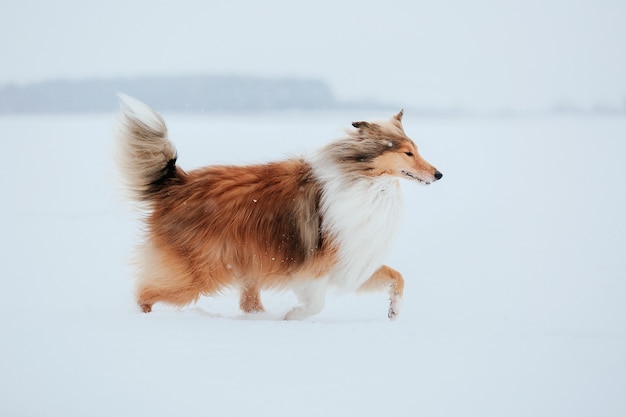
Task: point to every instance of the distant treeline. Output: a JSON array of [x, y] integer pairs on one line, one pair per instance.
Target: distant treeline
[[192, 93]]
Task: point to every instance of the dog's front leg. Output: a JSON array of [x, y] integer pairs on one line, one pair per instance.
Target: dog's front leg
[[312, 296], [386, 278]]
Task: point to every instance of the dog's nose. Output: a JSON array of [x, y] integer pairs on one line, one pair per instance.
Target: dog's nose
[[438, 175]]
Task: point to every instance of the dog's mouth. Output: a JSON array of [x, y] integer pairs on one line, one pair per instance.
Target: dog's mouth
[[415, 177]]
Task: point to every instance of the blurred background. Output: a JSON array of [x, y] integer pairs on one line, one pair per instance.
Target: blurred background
[[515, 297], [443, 57]]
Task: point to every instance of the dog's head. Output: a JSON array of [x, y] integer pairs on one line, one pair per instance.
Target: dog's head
[[382, 148]]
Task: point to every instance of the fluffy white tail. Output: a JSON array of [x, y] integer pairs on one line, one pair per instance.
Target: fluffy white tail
[[145, 156]]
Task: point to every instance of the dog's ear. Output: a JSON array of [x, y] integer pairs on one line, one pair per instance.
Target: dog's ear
[[398, 117], [361, 125]]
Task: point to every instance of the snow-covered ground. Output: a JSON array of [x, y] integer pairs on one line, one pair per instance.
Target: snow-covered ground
[[515, 265]]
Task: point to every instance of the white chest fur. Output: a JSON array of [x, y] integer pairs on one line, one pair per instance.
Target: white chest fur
[[362, 216]]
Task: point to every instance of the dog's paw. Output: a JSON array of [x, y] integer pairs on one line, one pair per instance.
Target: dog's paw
[[296, 313], [394, 307], [254, 309]]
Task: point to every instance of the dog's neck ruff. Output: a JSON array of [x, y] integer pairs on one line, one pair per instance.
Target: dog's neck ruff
[[361, 216]]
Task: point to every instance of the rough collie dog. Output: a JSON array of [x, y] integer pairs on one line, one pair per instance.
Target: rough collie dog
[[307, 224]]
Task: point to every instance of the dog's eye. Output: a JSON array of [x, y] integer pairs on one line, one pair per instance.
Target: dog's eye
[[408, 153]]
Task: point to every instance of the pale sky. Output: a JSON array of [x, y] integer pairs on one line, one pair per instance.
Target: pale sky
[[478, 54]]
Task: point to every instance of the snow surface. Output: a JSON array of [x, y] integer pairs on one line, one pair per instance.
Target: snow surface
[[515, 264]]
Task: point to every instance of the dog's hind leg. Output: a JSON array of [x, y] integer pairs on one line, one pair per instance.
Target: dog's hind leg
[[312, 296], [250, 300], [163, 277], [386, 278], [176, 294]]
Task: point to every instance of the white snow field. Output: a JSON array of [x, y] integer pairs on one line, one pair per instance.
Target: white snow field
[[515, 268]]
